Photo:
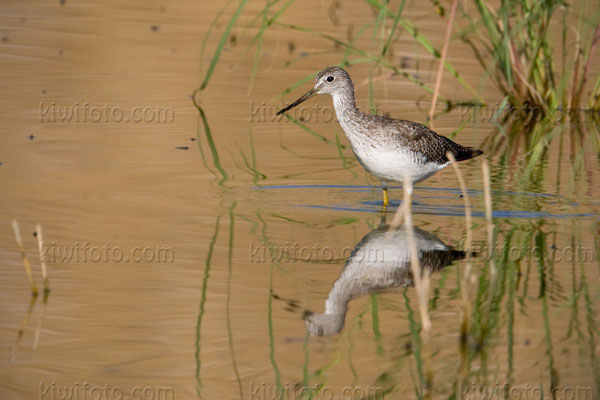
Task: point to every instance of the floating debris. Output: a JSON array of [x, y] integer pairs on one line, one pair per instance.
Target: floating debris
[[350, 33], [293, 303], [155, 28], [404, 62], [182, 148], [31, 137]]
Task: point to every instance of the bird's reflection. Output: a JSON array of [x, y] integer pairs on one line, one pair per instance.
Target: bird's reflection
[[381, 260]]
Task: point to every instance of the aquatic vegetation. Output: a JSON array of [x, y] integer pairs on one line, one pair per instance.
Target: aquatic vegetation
[[517, 45], [491, 295], [538, 55]]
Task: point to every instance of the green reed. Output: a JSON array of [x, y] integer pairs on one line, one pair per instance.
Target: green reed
[[379, 350], [581, 290], [251, 164], [511, 42], [518, 52], [228, 299], [541, 71], [222, 42], [386, 29], [516, 42], [198, 338], [211, 145], [522, 288], [272, 358], [415, 331]]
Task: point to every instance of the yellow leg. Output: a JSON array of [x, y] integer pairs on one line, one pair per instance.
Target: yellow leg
[[386, 200]]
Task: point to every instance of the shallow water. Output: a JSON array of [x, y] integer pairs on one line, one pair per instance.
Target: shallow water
[[182, 264]]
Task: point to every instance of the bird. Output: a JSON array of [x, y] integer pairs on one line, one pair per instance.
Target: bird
[[392, 150], [380, 261]]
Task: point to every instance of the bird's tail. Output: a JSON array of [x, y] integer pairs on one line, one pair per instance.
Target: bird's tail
[[467, 152]]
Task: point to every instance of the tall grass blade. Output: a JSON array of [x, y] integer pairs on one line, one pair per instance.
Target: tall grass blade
[[438, 79], [209, 31], [211, 144], [228, 299], [221, 44], [207, 267]]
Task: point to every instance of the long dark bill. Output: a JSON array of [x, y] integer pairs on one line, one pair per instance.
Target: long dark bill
[[306, 96]]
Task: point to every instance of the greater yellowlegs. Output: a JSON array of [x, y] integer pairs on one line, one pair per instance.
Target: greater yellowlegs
[[390, 149], [381, 260]]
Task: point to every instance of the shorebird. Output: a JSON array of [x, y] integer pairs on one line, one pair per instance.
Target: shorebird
[[380, 261], [393, 150]]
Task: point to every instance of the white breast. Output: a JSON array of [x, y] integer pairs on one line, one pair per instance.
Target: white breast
[[396, 165]]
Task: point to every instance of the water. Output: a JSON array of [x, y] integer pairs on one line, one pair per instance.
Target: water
[[232, 237]]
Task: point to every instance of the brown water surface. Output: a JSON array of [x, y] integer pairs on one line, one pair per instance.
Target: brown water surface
[[188, 296]]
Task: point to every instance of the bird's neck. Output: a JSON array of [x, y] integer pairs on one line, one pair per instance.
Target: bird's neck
[[345, 107], [338, 299]]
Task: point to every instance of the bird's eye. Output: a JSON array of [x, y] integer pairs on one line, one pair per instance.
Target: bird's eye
[[330, 78]]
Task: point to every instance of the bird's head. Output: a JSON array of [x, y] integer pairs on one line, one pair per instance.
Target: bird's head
[[331, 80], [324, 324]]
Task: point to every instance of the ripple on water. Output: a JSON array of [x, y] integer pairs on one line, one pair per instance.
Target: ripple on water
[[442, 202]]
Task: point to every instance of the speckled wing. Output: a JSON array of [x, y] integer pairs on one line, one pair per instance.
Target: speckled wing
[[429, 144]]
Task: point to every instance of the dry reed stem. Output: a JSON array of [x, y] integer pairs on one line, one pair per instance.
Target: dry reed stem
[[468, 219], [21, 332], [422, 284], [588, 64], [15, 226], [572, 100], [382, 77], [487, 193], [534, 92], [397, 216], [464, 285], [422, 281], [438, 79], [38, 329], [40, 240]]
